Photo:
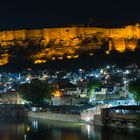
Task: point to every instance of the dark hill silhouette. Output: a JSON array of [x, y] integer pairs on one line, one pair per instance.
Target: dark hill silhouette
[[85, 61]]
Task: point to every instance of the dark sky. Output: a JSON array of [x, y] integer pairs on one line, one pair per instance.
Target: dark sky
[[15, 14]]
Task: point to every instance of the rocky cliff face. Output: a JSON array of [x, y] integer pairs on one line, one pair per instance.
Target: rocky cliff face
[[44, 44]]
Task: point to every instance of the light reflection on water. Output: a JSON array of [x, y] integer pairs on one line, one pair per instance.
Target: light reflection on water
[[34, 129]]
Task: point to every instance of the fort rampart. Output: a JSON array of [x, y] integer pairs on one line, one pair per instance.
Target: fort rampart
[[67, 40], [70, 33]]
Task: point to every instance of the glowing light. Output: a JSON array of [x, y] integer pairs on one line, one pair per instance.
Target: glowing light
[[40, 61], [107, 52], [101, 71], [4, 59], [75, 56], [87, 119], [91, 54], [35, 125], [29, 69], [127, 72], [57, 93], [53, 58], [69, 57], [25, 137], [108, 67], [88, 130], [34, 109], [28, 129], [60, 57], [96, 76], [107, 76]]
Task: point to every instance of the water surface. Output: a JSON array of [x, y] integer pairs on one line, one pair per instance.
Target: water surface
[[35, 129]]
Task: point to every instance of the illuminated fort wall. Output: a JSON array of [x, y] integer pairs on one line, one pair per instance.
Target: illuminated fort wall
[[119, 37], [68, 39]]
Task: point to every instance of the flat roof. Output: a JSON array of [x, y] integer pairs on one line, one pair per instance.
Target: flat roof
[[124, 107]]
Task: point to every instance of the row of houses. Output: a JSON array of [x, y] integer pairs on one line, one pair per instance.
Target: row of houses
[[67, 93]]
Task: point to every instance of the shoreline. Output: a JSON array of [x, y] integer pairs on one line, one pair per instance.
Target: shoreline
[[71, 118], [75, 118]]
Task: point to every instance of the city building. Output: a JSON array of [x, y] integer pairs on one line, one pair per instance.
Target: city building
[[10, 98]]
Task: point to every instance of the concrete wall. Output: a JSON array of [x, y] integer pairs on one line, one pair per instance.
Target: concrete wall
[[88, 115], [55, 116]]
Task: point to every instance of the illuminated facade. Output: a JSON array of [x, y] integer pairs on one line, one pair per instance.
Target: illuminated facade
[[10, 98], [60, 42]]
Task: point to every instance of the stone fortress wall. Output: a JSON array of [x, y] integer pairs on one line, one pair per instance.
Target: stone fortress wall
[[69, 32], [68, 41], [120, 38]]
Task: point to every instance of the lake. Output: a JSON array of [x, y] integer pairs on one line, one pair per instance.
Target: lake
[[34, 129]]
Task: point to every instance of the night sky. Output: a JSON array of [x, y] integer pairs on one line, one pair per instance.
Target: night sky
[[18, 14]]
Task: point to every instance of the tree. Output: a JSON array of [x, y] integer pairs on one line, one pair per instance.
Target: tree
[[36, 91], [92, 85], [134, 88]]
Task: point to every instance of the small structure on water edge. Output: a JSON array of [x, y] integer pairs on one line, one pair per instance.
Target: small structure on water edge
[[10, 98], [121, 116]]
